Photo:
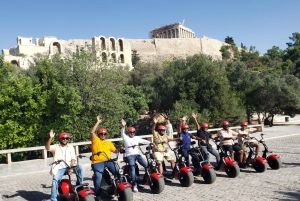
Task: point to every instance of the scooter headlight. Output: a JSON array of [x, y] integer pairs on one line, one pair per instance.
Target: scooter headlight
[[121, 171], [153, 163]]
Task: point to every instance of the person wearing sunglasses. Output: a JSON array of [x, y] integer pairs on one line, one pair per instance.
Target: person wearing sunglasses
[[65, 152], [185, 142], [205, 146], [160, 140], [131, 143], [245, 132], [100, 161]]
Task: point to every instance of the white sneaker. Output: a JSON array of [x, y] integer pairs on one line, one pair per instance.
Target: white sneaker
[[135, 189]]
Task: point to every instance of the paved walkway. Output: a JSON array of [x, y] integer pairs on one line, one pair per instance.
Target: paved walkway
[[30, 180]]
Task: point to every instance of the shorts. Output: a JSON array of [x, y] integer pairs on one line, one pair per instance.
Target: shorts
[[236, 147], [159, 156], [228, 148]]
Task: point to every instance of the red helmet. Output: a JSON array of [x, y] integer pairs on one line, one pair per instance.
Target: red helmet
[[131, 129], [204, 125], [161, 127], [66, 186], [102, 130], [64, 134], [225, 123], [244, 123], [184, 126]]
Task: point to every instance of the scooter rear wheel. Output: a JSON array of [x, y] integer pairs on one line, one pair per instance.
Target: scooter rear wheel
[[125, 195], [260, 167], [186, 179], [275, 163], [232, 171]]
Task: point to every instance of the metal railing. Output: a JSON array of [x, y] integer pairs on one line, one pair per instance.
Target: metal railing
[[76, 145]]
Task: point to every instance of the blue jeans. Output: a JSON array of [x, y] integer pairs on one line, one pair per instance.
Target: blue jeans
[[98, 169], [57, 178], [186, 152], [212, 151], [131, 160]]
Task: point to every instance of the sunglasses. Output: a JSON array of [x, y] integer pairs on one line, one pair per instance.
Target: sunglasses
[[205, 127], [162, 130], [65, 138], [104, 134], [132, 132]]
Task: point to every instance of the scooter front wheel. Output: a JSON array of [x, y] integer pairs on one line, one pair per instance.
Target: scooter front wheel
[[232, 171], [88, 198], [157, 185], [125, 195], [274, 163], [209, 175], [186, 179]]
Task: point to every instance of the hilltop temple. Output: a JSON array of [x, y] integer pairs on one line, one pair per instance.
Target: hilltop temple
[[165, 43]]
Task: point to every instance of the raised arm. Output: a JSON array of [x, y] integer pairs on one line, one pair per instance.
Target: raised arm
[[123, 124], [48, 143], [154, 125], [195, 121], [93, 131]]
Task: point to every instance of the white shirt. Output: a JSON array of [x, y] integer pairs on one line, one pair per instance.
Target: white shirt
[[169, 130], [131, 141], [227, 134]]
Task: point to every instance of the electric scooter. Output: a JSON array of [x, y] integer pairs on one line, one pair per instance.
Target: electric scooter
[[80, 191], [115, 184], [273, 159], [180, 171], [257, 162], [152, 177], [206, 169], [230, 166]]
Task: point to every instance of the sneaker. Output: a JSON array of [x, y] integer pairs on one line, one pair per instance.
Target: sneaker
[[135, 189]]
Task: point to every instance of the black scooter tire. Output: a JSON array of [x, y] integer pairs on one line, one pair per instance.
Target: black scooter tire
[[125, 195], [260, 167], [157, 186], [275, 164], [186, 179], [88, 198], [209, 176], [232, 171]]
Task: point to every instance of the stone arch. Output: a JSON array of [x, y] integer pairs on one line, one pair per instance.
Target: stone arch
[[104, 56], [122, 58], [113, 44], [15, 62], [102, 41], [121, 45], [56, 48], [114, 58]]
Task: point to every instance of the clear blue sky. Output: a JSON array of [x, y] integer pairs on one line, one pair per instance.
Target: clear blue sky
[[260, 23]]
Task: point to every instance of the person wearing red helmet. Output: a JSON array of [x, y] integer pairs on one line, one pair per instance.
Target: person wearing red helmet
[[65, 152], [131, 143], [227, 137], [99, 162], [185, 141], [160, 140], [246, 136], [206, 147]]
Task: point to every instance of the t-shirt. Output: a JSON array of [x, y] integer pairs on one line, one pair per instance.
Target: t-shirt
[[59, 153], [186, 138], [247, 132], [131, 143], [103, 146], [160, 142], [203, 135], [227, 134]]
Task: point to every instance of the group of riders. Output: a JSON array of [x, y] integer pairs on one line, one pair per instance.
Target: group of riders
[[230, 140]]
